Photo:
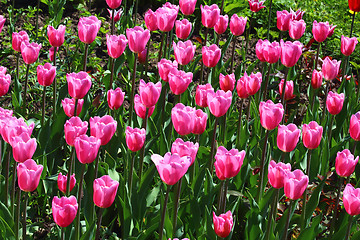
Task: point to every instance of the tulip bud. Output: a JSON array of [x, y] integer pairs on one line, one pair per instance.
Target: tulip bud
[[29, 174], [228, 163], [277, 173], [227, 83], [165, 67], [209, 15], [105, 190], [135, 138], [103, 128], [23, 147], [316, 79], [311, 135], [115, 98], [182, 28], [283, 20], [289, 89], [330, 68], [30, 51], [116, 45], [320, 30], [345, 163], [64, 210], [297, 29], [18, 38], [201, 94], [78, 84], [348, 45], [88, 28], [256, 5], [354, 128], [149, 93], [46, 74], [270, 114], [166, 17], [295, 184], [74, 128], [184, 52], [290, 52], [200, 119], [183, 119], [179, 80], [287, 137], [351, 199], [137, 38], [140, 108], [187, 7], [151, 20], [219, 102], [5, 81], [86, 148], [116, 13], [185, 149], [237, 25], [2, 22], [334, 102], [223, 224], [211, 55], [222, 24], [113, 4], [56, 36], [62, 182]]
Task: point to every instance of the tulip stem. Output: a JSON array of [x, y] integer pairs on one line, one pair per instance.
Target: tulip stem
[[72, 159], [17, 66], [247, 37], [142, 153], [112, 66], [43, 106], [202, 62], [13, 189], [17, 216], [131, 173], [26, 83], [98, 224], [75, 107], [54, 90], [147, 59], [267, 82], [317, 56], [224, 130], [62, 237], [135, 12], [262, 166], [248, 110], [37, 19], [77, 227], [233, 54], [288, 220], [112, 21], [326, 94], [269, 20], [349, 223], [303, 220], [85, 56], [354, 147], [272, 214], [132, 91], [161, 228], [352, 24], [24, 216], [7, 177], [176, 205], [239, 125], [222, 7], [97, 162], [284, 87], [224, 193], [334, 218], [330, 130], [212, 151], [161, 46]]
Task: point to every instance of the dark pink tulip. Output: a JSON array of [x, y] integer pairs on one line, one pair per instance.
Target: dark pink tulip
[[311, 135], [140, 108], [256, 5], [237, 25], [187, 7], [2, 22], [351, 199], [116, 13], [209, 15], [184, 52], [296, 29], [116, 45], [222, 24], [271, 114], [56, 36], [287, 137], [3, 70], [87, 148], [113, 3], [354, 128], [219, 102], [137, 38], [201, 94], [345, 163], [348, 45], [295, 184], [135, 138], [223, 224], [200, 119], [165, 67], [46, 74], [271, 52], [334, 102], [228, 163], [289, 89], [330, 68], [320, 30], [252, 82], [78, 84], [69, 106], [151, 20], [30, 51], [185, 148], [51, 53], [182, 118], [227, 82], [297, 15], [74, 128], [179, 81], [105, 190], [290, 52], [18, 38], [5, 80], [211, 55], [277, 173], [62, 182], [103, 128], [166, 16], [12, 127], [316, 79], [88, 28], [171, 167], [259, 49], [331, 31], [115, 98], [149, 93], [283, 20], [241, 87], [23, 147], [182, 29], [64, 210], [29, 174]]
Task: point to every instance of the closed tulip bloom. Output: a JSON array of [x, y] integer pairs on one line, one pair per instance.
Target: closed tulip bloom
[[351, 199], [151, 20], [86, 148], [219, 102], [241, 87], [29, 174], [116, 13], [23, 147], [179, 81], [295, 184], [283, 20], [187, 7], [149, 93], [316, 79], [182, 28], [271, 114], [320, 30], [115, 98], [62, 182], [165, 67], [348, 45], [116, 45], [272, 52], [228, 163], [171, 167], [201, 94], [222, 24], [30, 51], [345, 163], [211, 55], [56, 36], [113, 3], [200, 120], [74, 128], [227, 82], [259, 49], [88, 28], [13, 127], [165, 18], [46, 74], [289, 89], [78, 84], [140, 108], [137, 38], [237, 25], [311, 135], [185, 148], [287, 137], [135, 138], [354, 5], [277, 173], [69, 106], [64, 210], [256, 5], [223, 224], [103, 128], [5, 80], [184, 52], [209, 15], [105, 190], [18, 38], [290, 52], [334, 102], [296, 29], [330, 68], [2, 22], [354, 128], [252, 83], [182, 118]]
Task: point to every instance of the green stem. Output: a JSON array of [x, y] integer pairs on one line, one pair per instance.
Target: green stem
[[303, 220], [239, 125], [330, 130], [72, 159], [112, 66], [62, 233], [13, 189], [132, 91], [284, 86], [24, 216], [354, 147], [224, 130], [212, 151], [147, 59], [248, 110], [267, 82], [161, 46], [273, 212], [248, 36], [78, 228], [317, 56], [349, 223], [142, 153], [17, 65], [202, 62], [223, 206], [333, 221], [326, 94], [43, 107], [85, 56], [233, 54], [112, 21], [176, 206], [161, 227], [7, 177], [288, 220], [37, 19], [262, 166], [131, 173], [17, 216], [220, 197], [165, 90], [352, 24], [222, 7], [75, 107], [98, 224], [26, 83], [269, 20], [135, 13], [97, 163], [54, 89]]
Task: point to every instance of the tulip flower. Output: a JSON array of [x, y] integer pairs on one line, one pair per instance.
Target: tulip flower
[[182, 29], [113, 4], [223, 224], [179, 80], [252, 82], [4, 114], [219, 102], [290, 52], [18, 38], [23, 147], [201, 94], [256, 5], [283, 20], [62, 182], [105, 190], [88, 28], [296, 29], [289, 89], [209, 15], [311, 135], [320, 30], [51, 53], [259, 49], [211, 55], [29, 174], [271, 114], [295, 184], [287, 137], [151, 20], [228, 163], [46, 74], [331, 30], [316, 79], [184, 52], [351, 199], [2, 22], [140, 108], [165, 17], [348, 45], [116, 45], [115, 98], [271, 52], [345, 163], [187, 7], [137, 38], [3, 70], [354, 128], [330, 68], [334, 102], [135, 138], [183, 119], [13, 127], [5, 81], [142, 56], [354, 5], [185, 149], [103, 128], [116, 13], [227, 82], [297, 15], [200, 119], [78, 84], [56, 36], [149, 93], [277, 173], [64, 210], [74, 128], [237, 25], [222, 24], [165, 67], [69, 106], [30, 51], [241, 87], [86, 148]]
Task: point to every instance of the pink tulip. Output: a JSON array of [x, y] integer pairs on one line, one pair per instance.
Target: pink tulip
[[78, 84], [137, 38], [295, 184], [179, 81], [331, 30], [227, 82], [3, 70], [297, 15], [201, 94], [209, 15], [351, 199], [165, 67], [222, 24], [56, 36], [23, 147], [184, 52], [171, 6], [171, 167], [2, 22], [185, 149], [252, 82], [289, 89], [46, 74], [316, 79], [103, 128], [330, 68], [354, 128], [256, 5], [297, 29], [165, 17], [348, 45], [183, 119], [290, 52], [223, 224], [29, 174], [116, 13], [228, 163], [182, 28], [4, 114], [287, 137], [237, 25], [149, 93], [211, 55], [271, 114], [151, 20], [283, 20], [52, 53], [345, 163], [241, 87], [105, 190], [187, 7], [18, 38], [30, 51], [219, 102], [88, 28], [140, 108], [74, 128], [259, 49], [334, 102], [64, 210], [86, 148], [135, 138], [116, 45], [113, 4], [272, 52], [320, 30], [311, 135], [13, 127], [115, 98], [69, 106], [200, 119], [277, 173], [142, 56], [62, 182], [5, 81]]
